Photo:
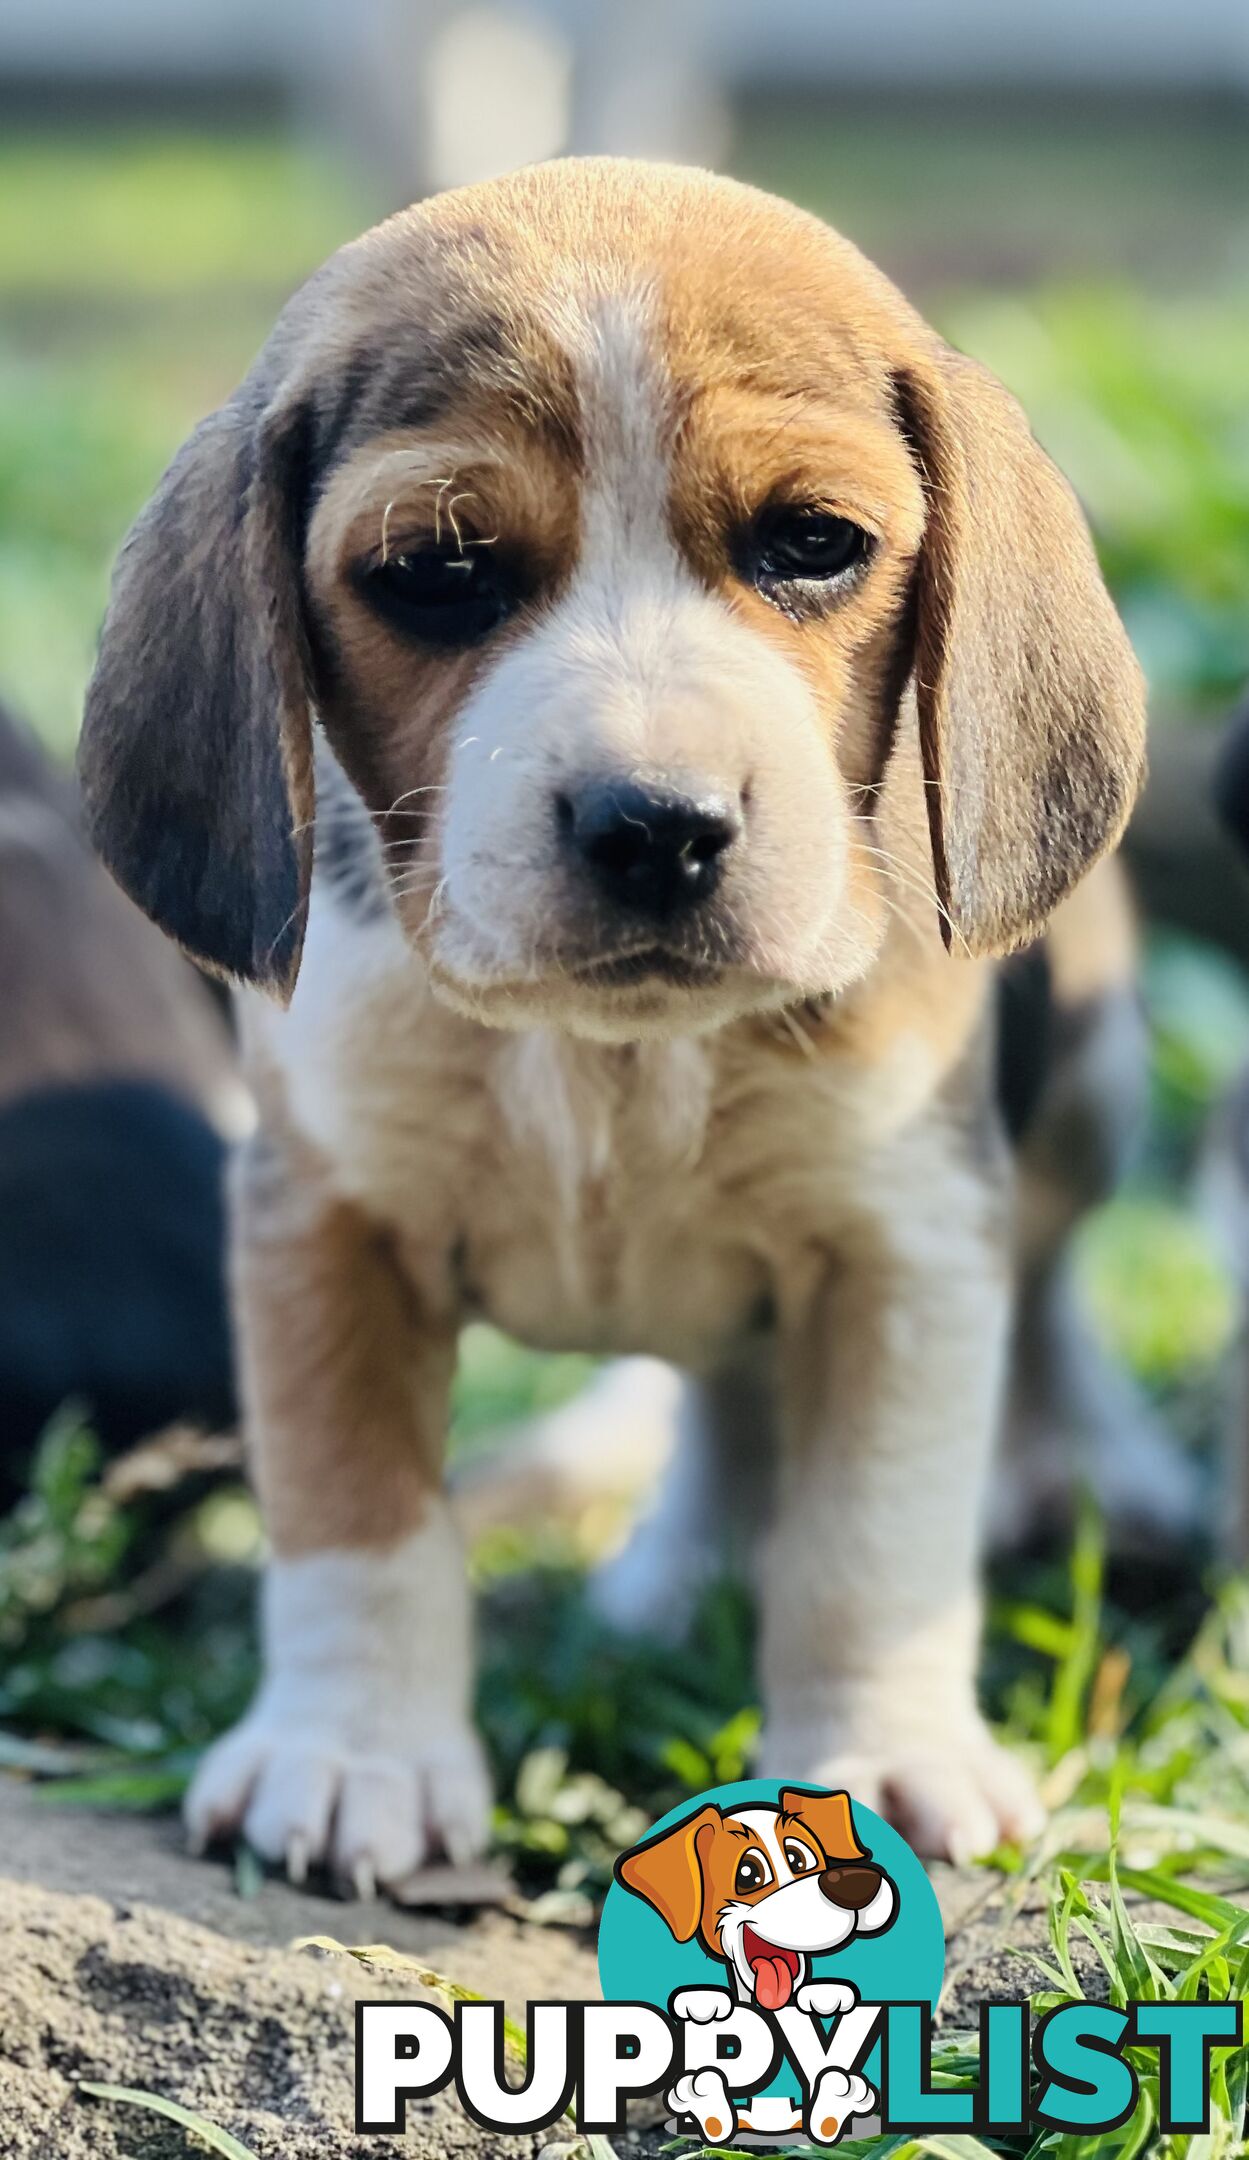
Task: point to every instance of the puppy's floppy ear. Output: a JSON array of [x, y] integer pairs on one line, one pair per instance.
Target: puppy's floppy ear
[[829, 1816], [1031, 704], [666, 1872], [196, 752]]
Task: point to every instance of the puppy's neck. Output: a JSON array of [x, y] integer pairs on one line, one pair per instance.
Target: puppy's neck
[[590, 1108]]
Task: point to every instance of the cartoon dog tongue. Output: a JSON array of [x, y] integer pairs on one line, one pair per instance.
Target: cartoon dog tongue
[[774, 1979]]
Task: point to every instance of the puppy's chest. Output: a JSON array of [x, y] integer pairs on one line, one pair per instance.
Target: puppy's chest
[[622, 1260], [653, 1198], [582, 1200]]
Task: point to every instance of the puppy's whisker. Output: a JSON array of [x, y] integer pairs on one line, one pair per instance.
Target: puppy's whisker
[[430, 787], [300, 908], [913, 882], [414, 880], [402, 857], [876, 787], [423, 836], [788, 1022], [433, 907]]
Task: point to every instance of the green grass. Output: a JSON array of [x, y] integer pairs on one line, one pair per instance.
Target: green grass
[[139, 274], [1009, 186], [106, 1699], [1138, 398], [117, 216]]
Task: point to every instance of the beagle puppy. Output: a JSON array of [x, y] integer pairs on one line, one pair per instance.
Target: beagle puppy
[[606, 686], [764, 1890]]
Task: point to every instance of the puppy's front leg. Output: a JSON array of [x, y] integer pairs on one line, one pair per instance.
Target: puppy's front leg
[[358, 1751], [893, 1373]]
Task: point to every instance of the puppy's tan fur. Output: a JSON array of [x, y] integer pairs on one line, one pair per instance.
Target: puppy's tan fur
[[604, 372]]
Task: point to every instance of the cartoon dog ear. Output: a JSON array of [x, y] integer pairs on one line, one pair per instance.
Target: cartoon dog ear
[[196, 752], [828, 1816], [666, 1872], [1031, 704]]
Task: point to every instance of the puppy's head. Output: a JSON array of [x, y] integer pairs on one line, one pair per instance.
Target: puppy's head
[[765, 1888], [611, 520]]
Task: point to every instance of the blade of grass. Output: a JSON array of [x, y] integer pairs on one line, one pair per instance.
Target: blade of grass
[[1139, 2131], [249, 1874], [387, 1960], [1218, 1833], [1065, 1723], [1060, 1919], [1139, 1977], [218, 2141], [1205, 1905], [140, 1791]]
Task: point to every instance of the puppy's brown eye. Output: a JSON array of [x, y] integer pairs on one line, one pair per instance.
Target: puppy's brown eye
[[801, 1859], [443, 596], [752, 1873], [806, 547]]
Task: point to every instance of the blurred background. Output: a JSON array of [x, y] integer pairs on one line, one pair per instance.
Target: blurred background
[[1065, 191]]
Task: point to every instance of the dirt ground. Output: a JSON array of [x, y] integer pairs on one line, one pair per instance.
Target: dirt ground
[[124, 1962]]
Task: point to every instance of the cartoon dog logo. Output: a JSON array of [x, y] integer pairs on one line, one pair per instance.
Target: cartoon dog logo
[[765, 1889]]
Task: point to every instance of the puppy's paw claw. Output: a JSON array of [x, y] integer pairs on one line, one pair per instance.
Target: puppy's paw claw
[[369, 1819]]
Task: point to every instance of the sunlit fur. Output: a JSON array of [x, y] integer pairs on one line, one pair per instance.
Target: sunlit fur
[[600, 374]]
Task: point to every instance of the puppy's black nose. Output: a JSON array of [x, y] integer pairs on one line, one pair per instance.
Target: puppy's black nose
[[852, 1886], [650, 848]]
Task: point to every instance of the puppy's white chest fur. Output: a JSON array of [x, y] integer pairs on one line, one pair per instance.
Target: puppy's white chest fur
[[655, 1197]]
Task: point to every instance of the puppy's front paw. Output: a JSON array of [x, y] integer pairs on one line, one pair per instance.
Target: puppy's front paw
[[953, 1793], [704, 2095], [358, 1754], [702, 2005], [826, 1998], [839, 2096], [307, 1794]]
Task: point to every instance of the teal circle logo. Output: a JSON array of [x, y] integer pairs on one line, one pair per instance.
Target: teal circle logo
[[787, 1899]]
